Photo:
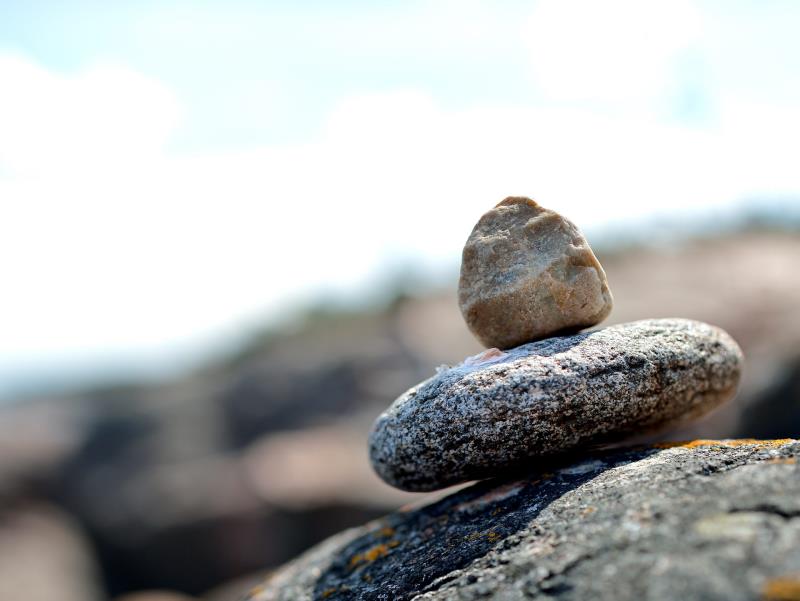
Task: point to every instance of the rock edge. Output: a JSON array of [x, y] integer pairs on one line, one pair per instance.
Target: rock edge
[[700, 520]]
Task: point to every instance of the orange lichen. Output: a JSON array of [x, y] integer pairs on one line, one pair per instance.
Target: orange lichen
[[376, 552], [328, 592], [257, 589], [782, 589], [371, 555], [739, 442], [588, 510], [386, 532], [783, 460]]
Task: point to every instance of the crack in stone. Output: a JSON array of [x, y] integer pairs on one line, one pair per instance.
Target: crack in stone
[[768, 508]]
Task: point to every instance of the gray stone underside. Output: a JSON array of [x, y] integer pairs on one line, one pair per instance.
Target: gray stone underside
[[706, 522]]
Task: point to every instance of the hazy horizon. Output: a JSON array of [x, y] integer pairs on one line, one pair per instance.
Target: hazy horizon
[[69, 373]]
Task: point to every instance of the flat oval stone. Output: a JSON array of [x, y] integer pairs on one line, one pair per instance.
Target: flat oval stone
[[503, 409], [528, 273]]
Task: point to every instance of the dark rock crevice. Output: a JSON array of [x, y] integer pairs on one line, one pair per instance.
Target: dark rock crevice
[[430, 545]]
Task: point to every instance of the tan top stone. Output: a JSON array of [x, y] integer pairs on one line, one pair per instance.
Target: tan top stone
[[528, 273]]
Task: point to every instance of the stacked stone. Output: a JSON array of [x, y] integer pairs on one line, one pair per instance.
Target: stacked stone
[[529, 283]]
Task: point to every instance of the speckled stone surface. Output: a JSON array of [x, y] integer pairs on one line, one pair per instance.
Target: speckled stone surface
[[707, 520], [503, 410], [528, 273]]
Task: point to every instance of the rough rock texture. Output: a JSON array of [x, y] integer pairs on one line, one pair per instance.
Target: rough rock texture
[[701, 520], [528, 273], [500, 409]]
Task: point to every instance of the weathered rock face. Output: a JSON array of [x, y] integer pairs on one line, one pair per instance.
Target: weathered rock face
[[500, 410], [702, 520], [528, 273]]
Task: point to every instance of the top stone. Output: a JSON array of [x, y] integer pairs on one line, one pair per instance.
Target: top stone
[[528, 273]]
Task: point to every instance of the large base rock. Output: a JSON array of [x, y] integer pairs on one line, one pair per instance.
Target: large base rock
[[700, 520]]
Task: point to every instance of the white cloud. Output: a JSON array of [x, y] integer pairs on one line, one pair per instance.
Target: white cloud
[[106, 116], [619, 51]]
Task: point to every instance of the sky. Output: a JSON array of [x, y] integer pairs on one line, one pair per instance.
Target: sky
[[173, 173]]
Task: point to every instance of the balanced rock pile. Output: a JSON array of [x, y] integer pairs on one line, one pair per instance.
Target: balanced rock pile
[[700, 520], [529, 284]]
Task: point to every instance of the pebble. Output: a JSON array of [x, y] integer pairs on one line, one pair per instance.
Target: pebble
[[528, 273], [506, 409]]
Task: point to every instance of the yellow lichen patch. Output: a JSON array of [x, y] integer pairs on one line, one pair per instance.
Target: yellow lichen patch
[[386, 532], [256, 590], [782, 589], [738, 442], [356, 559], [370, 555], [491, 536], [376, 552]]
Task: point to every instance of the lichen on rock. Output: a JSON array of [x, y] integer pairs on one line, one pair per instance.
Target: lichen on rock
[[718, 520]]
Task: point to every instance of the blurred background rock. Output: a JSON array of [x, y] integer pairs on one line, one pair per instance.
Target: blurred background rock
[[248, 460], [230, 235]]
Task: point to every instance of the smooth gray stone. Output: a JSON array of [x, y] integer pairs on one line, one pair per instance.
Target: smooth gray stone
[[711, 520], [501, 410]]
